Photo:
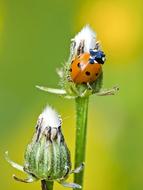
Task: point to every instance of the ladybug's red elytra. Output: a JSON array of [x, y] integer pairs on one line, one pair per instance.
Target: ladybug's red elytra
[[86, 67]]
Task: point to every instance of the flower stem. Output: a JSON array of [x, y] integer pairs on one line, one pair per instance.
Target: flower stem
[[81, 130], [47, 185]]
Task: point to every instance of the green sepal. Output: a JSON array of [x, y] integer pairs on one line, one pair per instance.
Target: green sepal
[[48, 159]]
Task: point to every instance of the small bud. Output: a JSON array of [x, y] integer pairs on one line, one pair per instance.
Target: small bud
[[82, 74], [47, 156]]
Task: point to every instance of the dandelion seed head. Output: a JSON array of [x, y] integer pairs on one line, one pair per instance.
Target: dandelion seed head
[[86, 36], [49, 118]]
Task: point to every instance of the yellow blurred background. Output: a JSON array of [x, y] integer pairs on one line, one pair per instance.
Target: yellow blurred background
[[34, 41]]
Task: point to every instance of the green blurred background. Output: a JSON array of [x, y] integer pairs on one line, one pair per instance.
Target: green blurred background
[[34, 41]]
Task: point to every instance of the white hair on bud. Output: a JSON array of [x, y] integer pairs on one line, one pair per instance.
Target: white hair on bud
[[86, 36], [49, 118]]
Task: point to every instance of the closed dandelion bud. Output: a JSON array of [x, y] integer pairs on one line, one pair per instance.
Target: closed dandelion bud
[[83, 71], [82, 75], [47, 156]]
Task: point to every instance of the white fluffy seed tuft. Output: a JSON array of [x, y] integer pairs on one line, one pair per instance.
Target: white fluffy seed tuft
[[86, 36], [49, 118]]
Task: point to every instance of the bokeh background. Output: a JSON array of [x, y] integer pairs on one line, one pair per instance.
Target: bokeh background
[[34, 41]]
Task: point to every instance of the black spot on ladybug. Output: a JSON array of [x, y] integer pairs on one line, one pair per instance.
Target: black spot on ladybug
[[79, 65], [70, 69], [87, 73], [96, 74]]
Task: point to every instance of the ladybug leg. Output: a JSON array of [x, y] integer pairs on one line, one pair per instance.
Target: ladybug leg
[[89, 86]]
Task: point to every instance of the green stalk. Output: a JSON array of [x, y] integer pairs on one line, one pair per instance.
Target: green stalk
[[47, 185], [81, 130]]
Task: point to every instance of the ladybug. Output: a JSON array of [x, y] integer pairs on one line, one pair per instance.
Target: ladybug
[[86, 67]]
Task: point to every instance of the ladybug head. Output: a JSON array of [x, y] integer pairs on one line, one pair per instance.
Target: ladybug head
[[98, 56]]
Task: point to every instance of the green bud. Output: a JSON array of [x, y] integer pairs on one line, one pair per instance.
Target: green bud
[[81, 44], [47, 156], [77, 77]]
